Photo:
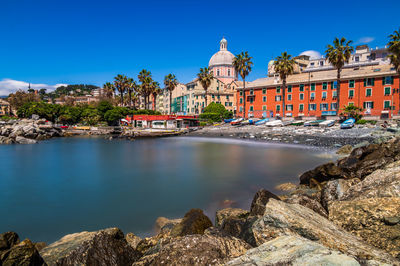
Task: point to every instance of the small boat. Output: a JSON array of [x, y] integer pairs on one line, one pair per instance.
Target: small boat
[[297, 123], [274, 123], [327, 123], [313, 123], [288, 122], [228, 120], [236, 122], [349, 123], [261, 122]]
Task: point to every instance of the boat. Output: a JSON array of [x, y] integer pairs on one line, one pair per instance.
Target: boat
[[297, 123], [313, 123], [228, 120], [287, 122], [349, 123], [236, 122], [327, 123], [261, 122], [274, 123]]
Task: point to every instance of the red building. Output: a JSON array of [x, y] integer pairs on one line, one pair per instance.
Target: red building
[[374, 88]]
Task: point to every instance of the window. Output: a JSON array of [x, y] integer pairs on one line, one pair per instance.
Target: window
[[278, 98], [321, 63], [241, 100], [351, 104], [312, 64], [229, 72], [368, 92], [357, 59], [241, 93], [312, 107], [324, 85], [313, 86], [351, 83], [368, 105], [251, 92], [251, 99], [301, 107], [264, 107], [301, 87], [386, 104], [301, 96], [289, 107], [312, 96], [333, 85], [241, 109], [334, 94], [278, 89], [217, 72], [213, 96], [227, 97], [323, 106], [387, 90], [333, 106], [387, 80], [289, 97], [351, 93], [324, 95], [289, 88], [251, 109], [264, 98], [369, 82], [278, 108], [264, 91]]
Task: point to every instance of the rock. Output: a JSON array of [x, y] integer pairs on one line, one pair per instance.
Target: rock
[[8, 240], [221, 215], [40, 245], [335, 189], [344, 150], [163, 224], [308, 202], [194, 222], [104, 247], [23, 253], [283, 219], [260, 199], [22, 140], [320, 174], [286, 187], [368, 218], [196, 250], [132, 240], [293, 250]]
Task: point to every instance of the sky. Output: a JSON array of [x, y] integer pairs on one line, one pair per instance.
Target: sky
[[52, 42]]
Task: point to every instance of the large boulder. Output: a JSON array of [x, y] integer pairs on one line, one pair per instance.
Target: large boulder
[[194, 222], [165, 224], [196, 250], [376, 220], [293, 250], [23, 253], [307, 201], [223, 214], [282, 219], [132, 239], [8, 240], [104, 247], [334, 190], [22, 140], [320, 174], [260, 199]]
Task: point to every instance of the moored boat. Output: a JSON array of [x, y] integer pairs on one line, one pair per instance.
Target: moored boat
[[236, 122], [228, 120], [349, 123], [274, 123], [261, 122], [327, 123]]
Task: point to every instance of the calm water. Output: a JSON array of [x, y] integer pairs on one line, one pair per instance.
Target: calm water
[[70, 185]]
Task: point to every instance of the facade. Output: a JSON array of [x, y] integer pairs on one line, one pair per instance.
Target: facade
[[314, 93], [221, 63], [4, 107]]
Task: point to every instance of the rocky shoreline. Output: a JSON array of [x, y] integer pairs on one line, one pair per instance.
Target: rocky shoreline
[[342, 213]]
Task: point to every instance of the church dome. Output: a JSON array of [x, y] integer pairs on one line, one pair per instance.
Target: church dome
[[223, 56]]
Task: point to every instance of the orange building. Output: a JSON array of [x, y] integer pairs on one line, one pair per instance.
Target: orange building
[[373, 88]]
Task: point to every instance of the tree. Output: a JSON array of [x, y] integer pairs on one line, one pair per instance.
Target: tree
[[121, 84], [170, 83], [20, 97], [394, 49], [205, 77], [103, 107], [242, 63], [353, 112], [132, 88], [338, 55], [284, 66], [145, 88], [109, 89], [155, 90]]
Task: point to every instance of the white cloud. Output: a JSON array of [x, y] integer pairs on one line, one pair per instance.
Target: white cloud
[[8, 86], [365, 40], [312, 54]]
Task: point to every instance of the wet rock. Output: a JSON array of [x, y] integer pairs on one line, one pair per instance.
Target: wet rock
[[293, 250], [196, 250], [260, 199], [23, 253], [221, 215], [308, 202], [283, 219], [104, 247], [320, 174], [22, 140], [286, 187], [344, 150], [334, 190], [194, 222], [368, 218], [132, 239], [163, 224]]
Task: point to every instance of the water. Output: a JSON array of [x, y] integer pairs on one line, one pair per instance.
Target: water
[[69, 185]]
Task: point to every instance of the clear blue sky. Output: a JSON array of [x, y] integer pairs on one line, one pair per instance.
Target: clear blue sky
[[71, 41]]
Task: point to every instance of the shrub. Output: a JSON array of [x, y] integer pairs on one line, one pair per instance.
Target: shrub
[[219, 109], [203, 123], [212, 117], [353, 112], [363, 122]]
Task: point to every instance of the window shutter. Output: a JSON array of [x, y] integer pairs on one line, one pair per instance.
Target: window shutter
[[372, 105], [364, 105], [373, 81], [365, 82], [383, 81]]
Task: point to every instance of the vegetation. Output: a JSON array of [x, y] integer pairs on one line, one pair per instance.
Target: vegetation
[[338, 55], [20, 97], [394, 49], [205, 77], [363, 122], [352, 111], [170, 83], [284, 66], [215, 112], [72, 90], [242, 63]]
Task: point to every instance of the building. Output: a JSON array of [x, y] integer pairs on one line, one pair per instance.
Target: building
[[4, 107], [162, 121]]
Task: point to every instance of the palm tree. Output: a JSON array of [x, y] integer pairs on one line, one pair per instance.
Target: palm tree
[[146, 80], [109, 89], [155, 90], [242, 63], [284, 66], [170, 83], [394, 49], [338, 55], [121, 84], [132, 88], [205, 77]]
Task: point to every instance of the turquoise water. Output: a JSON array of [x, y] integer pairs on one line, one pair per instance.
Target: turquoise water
[[69, 185]]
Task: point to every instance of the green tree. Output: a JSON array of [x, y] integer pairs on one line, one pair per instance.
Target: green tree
[[170, 83], [145, 88], [353, 112], [121, 84], [155, 91], [242, 63], [205, 77], [338, 55], [217, 108], [103, 107], [284, 66], [394, 49], [109, 89], [132, 90], [20, 97]]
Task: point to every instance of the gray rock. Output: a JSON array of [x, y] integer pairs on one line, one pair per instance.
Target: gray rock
[[260, 199], [22, 140], [334, 190], [308, 202]]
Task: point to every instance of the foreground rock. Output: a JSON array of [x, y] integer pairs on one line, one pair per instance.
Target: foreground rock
[[293, 250], [260, 199], [23, 253], [284, 219], [165, 224], [194, 222], [105, 247], [223, 214], [196, 250]]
